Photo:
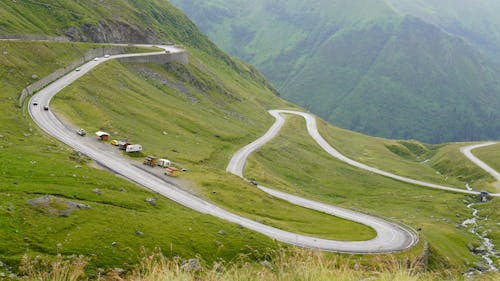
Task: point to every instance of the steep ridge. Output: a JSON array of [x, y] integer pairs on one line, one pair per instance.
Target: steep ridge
[[390, 237], [365, 65]]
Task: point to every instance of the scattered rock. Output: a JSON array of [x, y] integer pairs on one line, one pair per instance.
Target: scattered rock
[[481, 266], [240, 226], [78, 166], [55, 206], [151, 201], [34, 76], [479, 250], [97, 191], [27, 134], [138, 232], [5, 52], [218, 267], [118, 270], [267, 265], [192, 265], [165, 133], [58, 245], [470, 247], [114, 243], [222, 232], [122, 190], [82, 206]]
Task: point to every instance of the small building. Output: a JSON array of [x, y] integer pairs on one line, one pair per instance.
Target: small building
[[102, 135]]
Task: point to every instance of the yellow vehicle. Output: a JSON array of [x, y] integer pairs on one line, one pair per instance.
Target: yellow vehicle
[[114, 142], [172, 172]]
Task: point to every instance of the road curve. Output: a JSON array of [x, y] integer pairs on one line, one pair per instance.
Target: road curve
[[390, 237], [467, 151], [238, 161]]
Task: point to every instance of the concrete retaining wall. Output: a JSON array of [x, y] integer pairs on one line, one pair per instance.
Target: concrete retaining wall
[[181, 57], [34, 37], [87, 56]]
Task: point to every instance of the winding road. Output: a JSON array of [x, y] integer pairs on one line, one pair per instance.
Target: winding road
[[467, 151], [390, 236], [238, 161]]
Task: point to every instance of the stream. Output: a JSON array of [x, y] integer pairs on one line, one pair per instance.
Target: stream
[[487, 249]]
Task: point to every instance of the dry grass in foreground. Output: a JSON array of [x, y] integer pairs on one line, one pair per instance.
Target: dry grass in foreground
[[285, 265]]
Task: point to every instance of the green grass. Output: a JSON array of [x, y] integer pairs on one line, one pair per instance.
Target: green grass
[[219, 112], [442, 164], [294, 264], [365, 66], [33, 165], [490, 155], [199, 135], [294, 163]]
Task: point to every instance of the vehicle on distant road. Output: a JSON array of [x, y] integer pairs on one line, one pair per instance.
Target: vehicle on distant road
[[35, 103], [78, 69], [96, 59], [106, 56], [46, 107]]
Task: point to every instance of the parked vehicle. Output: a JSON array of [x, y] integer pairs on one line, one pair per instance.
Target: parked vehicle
[[114, 142], [123, 145], [81, 132], [172, 172], [133, 148], [164, 163], [150, 161]]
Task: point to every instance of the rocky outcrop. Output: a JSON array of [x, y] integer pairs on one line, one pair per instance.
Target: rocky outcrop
[[110, 31]]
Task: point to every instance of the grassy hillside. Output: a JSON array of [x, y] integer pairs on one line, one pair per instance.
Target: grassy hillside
[[490, 155], [364, 65], [196, 115], [205, 120], [443, 163], [476, 21], [282, 266], [34, 165], [294, 163]]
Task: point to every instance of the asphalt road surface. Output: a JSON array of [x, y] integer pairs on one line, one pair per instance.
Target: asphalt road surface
[[390, 236], [238, 161], [467, 151]]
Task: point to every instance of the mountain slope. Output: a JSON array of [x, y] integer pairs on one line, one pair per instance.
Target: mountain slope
[[363, 65], [196, 115], [476, 21]]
